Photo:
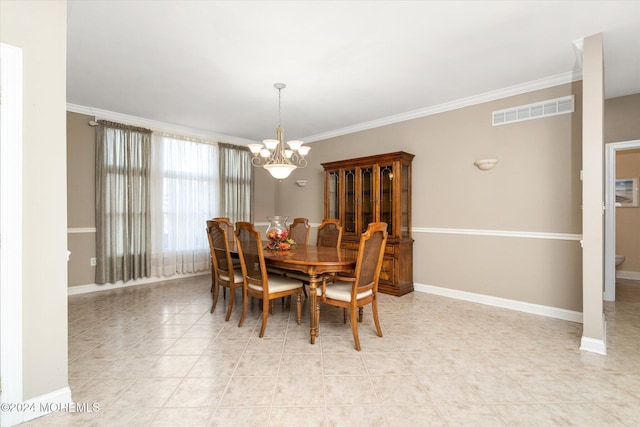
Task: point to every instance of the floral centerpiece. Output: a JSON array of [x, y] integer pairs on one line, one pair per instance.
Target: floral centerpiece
[[278, 234], [279, 240]]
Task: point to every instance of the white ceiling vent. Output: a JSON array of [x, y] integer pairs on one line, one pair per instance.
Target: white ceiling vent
[[550, 107]]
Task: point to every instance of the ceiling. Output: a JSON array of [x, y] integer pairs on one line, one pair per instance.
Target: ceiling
[[211, 66]]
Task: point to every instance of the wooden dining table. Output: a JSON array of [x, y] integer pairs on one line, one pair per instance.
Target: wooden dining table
[[312, 261]]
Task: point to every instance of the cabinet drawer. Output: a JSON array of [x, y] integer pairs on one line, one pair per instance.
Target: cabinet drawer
[[387, 269]]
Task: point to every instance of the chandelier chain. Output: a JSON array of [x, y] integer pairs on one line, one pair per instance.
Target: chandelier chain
[[279, 107]]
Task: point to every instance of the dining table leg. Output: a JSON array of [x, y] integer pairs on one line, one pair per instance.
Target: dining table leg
[[313, 308]]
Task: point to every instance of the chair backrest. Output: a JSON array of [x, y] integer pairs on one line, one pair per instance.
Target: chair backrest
[[370, 255], [299, 231], [329, 233], [249, 245], [220, 251], [227, 225]]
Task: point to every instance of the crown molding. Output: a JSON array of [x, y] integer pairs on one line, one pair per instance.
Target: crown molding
[[156, 125], [556, 80]]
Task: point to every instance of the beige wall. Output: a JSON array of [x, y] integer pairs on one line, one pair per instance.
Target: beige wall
[[81, 198], [534, 188], [622, 118], [39, 28], [264, 188], [628, 219]]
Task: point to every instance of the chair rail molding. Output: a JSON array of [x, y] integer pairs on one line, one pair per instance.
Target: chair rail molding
[[500, 233], [81, 230]]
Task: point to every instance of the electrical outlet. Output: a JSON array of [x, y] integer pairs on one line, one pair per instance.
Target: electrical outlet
[[92, 262]]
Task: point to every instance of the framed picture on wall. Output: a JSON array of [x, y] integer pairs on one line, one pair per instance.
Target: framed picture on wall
[[627, 193]]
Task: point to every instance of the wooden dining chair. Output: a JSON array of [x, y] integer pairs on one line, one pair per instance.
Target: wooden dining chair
[[228, 226], [257, 282], [356, 291], [223, 272], [329, 233], [299, 231]]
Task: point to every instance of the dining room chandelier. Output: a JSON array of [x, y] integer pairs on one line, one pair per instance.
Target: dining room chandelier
[[273, 155]]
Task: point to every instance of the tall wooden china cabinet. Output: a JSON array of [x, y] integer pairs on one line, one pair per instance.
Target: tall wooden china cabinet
[[375, 189]]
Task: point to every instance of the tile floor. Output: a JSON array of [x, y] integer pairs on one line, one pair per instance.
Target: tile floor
[[152, 355]]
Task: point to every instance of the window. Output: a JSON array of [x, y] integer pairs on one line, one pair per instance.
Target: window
[[185, 182]]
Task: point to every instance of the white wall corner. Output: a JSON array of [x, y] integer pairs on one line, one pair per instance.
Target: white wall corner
[[56, 401], [11, 138]]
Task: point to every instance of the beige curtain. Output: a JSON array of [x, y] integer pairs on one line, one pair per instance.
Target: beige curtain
[[236, 178], [122, 202]]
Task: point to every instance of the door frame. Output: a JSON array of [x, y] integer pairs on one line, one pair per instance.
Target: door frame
[[11, 232], [610, 214]]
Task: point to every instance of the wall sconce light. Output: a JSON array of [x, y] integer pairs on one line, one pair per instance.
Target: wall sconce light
[[301, 182], [485, 164]]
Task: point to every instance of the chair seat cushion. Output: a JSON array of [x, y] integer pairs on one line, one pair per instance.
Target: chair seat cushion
[[237, 277], [279, 284], [342, 292]]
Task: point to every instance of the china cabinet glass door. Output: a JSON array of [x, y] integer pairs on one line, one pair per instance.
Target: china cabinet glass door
[[349, 223], [386, 197], [333, 202], [404, 202], [367, 194]]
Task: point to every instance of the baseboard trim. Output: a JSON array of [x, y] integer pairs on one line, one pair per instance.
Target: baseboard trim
[[85, 289], [58, 400], [542, 310], [594, 345], [631, 275]]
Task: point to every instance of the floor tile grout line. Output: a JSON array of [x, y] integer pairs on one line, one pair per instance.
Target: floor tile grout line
[[615, 365]]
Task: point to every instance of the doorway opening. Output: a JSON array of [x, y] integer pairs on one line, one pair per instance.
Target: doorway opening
[[610, 215]]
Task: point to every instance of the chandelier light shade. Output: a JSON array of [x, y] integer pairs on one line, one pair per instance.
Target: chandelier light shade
[[273, 155]]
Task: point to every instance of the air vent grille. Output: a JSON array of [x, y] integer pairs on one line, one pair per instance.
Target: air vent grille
[[551, 107]]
